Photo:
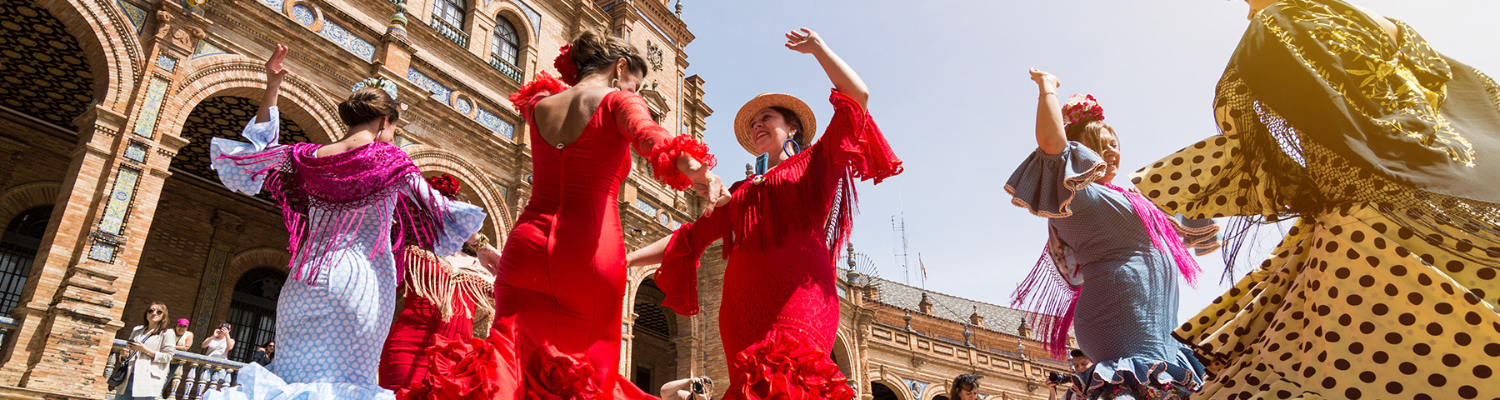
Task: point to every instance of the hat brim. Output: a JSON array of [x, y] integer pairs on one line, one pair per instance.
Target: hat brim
[[764, 100]]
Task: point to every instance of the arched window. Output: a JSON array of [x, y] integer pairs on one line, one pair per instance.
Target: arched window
[[507, 44], [450, 12], [252, 311], [18, 246]]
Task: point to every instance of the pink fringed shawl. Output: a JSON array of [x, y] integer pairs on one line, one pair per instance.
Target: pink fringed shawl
[[1050, 294], [345, 184]]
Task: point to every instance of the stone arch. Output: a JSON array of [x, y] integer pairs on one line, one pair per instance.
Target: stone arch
[[509, 11], [109, 42], [896, 384], [844, 355], [235, 75], [240, 263], [26, 196], [935, 390], [432, 159]]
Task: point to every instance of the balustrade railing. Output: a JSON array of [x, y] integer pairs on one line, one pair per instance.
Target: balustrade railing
[[453, 33], [191, 374], [505, 67]]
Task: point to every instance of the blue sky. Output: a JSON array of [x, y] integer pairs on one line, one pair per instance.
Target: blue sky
[[949, 87]]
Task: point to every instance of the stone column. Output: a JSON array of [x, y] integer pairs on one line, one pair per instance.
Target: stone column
[[71, 308]]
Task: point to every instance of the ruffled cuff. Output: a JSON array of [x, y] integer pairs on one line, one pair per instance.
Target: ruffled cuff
[[467, 369], [1046, 184], [678, 275], [861, 146], [666, 154], [539, 88], [1183, 370], [785, 366]]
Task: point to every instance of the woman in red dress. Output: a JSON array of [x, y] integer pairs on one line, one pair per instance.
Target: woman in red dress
[[448, 297], [561, 279], [781, 232]]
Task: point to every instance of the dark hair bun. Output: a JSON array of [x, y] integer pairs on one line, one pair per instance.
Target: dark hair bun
[[367, 104], [593, 51]]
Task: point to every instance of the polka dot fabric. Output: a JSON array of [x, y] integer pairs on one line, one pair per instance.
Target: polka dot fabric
[[330, 333], [1350, 304]]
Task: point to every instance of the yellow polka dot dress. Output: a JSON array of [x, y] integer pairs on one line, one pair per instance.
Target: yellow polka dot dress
[[1385, 286]]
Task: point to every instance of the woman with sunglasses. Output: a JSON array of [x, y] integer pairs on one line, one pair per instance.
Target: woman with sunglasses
[[151, 348]]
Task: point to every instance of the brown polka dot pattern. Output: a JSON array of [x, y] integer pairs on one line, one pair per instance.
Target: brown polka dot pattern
[[1351, 304]]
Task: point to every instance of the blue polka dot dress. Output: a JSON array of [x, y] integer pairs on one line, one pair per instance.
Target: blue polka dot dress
[[330, 331], [1128, 288]]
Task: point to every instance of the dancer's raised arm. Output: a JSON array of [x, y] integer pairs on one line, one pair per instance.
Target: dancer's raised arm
[[274, 72], [844, 79], [1050, 136]]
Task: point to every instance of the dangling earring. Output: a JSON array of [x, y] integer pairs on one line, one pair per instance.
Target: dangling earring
[[614, 84]]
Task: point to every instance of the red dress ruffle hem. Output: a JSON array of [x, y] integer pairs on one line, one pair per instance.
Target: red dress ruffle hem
[[469, 369], [561, 275], [782, 231]]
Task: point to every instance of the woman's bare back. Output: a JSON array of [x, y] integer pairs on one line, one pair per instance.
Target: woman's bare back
[[561, 118]]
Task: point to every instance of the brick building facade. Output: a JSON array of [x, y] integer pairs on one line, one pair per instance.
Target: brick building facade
[[108, 105]]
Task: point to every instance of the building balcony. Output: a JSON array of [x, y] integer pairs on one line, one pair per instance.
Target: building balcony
[[453, 33], [191, 374], [505, 67]]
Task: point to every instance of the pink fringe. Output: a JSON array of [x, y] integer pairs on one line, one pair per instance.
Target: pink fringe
[[1163, 234], [1049, 302]]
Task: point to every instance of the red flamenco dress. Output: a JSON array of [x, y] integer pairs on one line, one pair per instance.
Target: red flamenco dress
[[447, 297], [560, 282], [781, 232]]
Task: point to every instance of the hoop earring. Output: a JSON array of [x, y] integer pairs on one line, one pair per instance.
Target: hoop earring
[[614, 84]]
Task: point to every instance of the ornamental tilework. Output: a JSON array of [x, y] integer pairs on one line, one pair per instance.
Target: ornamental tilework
[[216, 263], [274, 4], [439, 92], [136, 15], [166, 63], [535, 17], [119, 201], [403, 141], [495, 123], [146, 123], [347, 40], [136, 152], [204, 49], [641, 204], [463, 106], [102, 252], [303, 15]]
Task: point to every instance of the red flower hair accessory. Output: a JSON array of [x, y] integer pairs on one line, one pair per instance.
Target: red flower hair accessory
[[1082, 108], [566, 68], [445, 184]]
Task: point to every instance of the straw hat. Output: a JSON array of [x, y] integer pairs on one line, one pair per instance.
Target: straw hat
[[804, 114]]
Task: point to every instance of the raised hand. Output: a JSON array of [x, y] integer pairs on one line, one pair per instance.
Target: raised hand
[[1045, 81], [804, 42], [274, 69]]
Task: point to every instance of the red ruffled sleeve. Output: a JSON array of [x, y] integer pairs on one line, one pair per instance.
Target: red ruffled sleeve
[[544, 85], [660, 147], [856, 142], [678, 275]]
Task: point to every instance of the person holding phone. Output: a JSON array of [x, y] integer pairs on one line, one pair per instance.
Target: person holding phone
[[151, 348]]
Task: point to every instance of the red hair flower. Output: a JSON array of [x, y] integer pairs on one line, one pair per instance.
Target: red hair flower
[[566, 69], [445, 184], [1082, 108]]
